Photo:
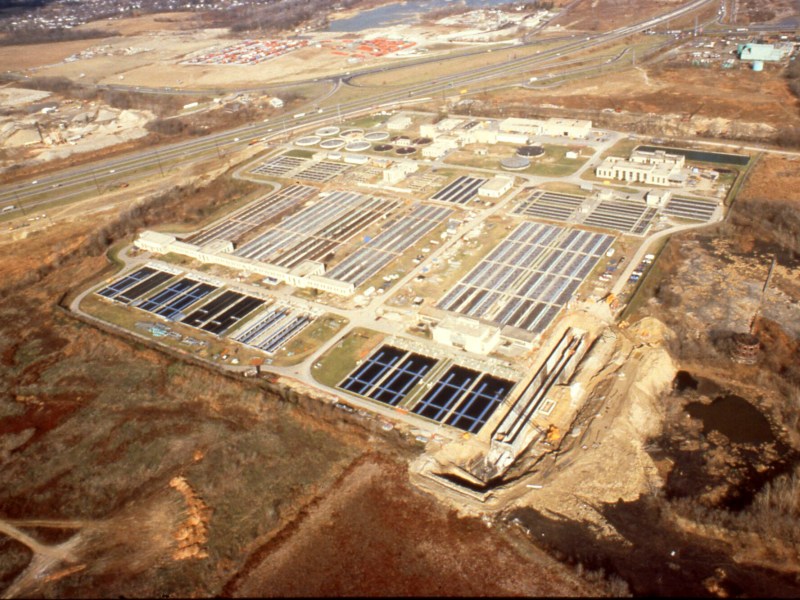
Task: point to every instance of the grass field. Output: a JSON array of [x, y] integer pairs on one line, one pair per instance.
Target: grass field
[[340, 360], [298, 349]]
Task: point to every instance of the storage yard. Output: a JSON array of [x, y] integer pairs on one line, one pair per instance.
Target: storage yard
[[247, 52], [483, 291]]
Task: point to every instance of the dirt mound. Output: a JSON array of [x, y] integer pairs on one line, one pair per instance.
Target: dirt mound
[[193, 532]]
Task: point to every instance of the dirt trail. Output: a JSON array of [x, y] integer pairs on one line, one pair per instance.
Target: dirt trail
[[55, 523], [45, 559], [55, 552]]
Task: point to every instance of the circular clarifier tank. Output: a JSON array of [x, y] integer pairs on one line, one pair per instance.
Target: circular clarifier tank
[[530, 151], [383, 147], [406, 150], [515, 163], [309, 140], [357, 146], [326, 131], [332, 144], [352, 133], [376, 136], [422, 141]]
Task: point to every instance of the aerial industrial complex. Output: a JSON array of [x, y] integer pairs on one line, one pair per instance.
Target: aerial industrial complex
[[460, 298], [483, 280]]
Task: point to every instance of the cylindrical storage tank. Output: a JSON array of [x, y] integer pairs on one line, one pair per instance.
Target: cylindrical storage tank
[[758, 65], [326, 131], [529, 151], [332, 144], [357, 146], [376, 136], [515, 163], [309, 140]]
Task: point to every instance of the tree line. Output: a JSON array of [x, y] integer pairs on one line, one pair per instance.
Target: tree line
[[23, 37]]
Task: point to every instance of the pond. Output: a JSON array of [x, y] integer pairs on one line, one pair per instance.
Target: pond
[[735, 418], [401, 13]]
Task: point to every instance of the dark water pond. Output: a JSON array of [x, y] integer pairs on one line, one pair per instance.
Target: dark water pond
[[735, 418], [702, 156]]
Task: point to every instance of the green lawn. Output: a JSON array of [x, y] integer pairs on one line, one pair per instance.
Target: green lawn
[[341, 359]]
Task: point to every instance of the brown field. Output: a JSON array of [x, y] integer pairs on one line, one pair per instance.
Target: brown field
[[596, 15], [174, 21], [14, 58], [671, 95], [774, 179], [377, 535]]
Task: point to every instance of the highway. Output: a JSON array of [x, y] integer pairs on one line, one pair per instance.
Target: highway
[[89, 180]]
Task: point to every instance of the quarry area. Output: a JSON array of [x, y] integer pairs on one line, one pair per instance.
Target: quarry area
[[501, 301]]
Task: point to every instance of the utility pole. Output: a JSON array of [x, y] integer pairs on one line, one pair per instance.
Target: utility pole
[[158, 158], [19, 203], [763, 294]]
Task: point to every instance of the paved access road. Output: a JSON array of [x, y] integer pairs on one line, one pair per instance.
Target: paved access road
[[88, 180]]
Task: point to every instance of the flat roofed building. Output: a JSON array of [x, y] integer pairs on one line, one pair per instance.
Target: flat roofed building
[[440, 147], [398, 123], [764, 52], [573, 128], [399, 171], [448, 124], [496, 186], [634, 172], [309, 274], [652, 168], [657, 198], [517, 125], [519, 139], [657, 157], [471, 335]]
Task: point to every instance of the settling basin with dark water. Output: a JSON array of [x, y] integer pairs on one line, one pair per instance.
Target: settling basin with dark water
[[760, 455], [735, 418]]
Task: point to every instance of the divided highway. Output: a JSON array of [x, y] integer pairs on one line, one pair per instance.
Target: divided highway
[[90, 180]]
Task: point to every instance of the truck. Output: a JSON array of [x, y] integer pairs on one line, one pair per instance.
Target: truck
[[298, 115]]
